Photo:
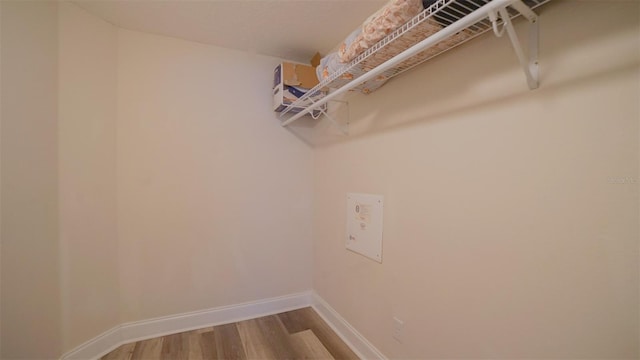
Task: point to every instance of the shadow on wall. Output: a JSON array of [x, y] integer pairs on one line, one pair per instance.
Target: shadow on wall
[[485, 72]]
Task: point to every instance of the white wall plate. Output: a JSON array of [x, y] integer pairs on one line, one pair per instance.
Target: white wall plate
[[364, 225]]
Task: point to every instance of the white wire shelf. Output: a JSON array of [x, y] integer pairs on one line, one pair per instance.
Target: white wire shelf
[[459, 21]]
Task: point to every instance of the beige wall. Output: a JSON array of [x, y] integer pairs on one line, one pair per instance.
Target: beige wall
[[511, 217], [87, 175], [30, 316], [137, 182], [1, 100], [214, 197]]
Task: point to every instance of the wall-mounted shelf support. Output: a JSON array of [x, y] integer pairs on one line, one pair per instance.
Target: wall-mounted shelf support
[[474, 20], [343, 128], [529, 63], [324, 110]]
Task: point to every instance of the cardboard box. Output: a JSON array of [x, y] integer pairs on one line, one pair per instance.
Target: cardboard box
[[284, 95], [291, 81], [315, 60], [300, 75]]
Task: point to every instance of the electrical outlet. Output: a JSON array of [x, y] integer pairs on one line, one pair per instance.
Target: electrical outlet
[[398, 329]]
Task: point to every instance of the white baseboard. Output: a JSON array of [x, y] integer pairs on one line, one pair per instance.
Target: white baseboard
[[358, 343], [96, 347], [166, 325], [146, 329]]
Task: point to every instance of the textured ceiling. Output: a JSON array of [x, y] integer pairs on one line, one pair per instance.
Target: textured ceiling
[[288, 29]]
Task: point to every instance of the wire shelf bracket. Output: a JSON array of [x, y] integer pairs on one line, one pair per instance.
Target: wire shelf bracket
[[323, 110], [529, 63]]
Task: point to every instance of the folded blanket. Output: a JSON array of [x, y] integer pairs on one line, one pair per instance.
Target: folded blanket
[[413, 36], [329, 65], [334, 62], [384, 21]]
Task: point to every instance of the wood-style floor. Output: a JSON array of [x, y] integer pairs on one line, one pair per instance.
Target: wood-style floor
[[297, 334]]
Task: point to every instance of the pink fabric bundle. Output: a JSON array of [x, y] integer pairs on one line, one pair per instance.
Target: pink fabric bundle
[[390, 17]]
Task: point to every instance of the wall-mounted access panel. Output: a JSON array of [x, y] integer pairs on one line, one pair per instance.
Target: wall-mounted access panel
[[364, 225]]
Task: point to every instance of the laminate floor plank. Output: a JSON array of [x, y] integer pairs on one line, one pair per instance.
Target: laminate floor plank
[[175, 347], [297, 334], [208, 346], [148, 349], [228, 342], [277, 336], [308, 346], [194, 350], [203, 330], [295, 321], [123, 352], [328, 338], [256, 345]]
